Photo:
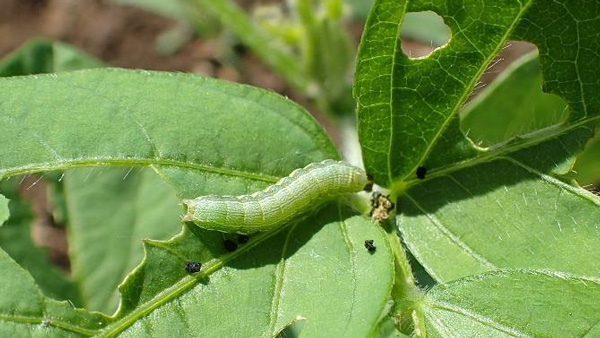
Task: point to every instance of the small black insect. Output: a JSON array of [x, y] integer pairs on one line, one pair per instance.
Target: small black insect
[[192, 267], [421, 171], [230, 245], [243, 239], [370, 247]]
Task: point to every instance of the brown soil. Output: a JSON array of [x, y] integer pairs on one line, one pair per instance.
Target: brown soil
[[118, 35]]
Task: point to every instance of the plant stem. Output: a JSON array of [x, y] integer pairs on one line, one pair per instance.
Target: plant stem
[[405, 293]]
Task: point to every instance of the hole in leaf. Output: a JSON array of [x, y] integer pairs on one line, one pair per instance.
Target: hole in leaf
[[508, 100], [585, 171], [422, 33], [509, 54], [293, 329]]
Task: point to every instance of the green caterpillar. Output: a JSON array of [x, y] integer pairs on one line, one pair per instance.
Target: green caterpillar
[[280, 203]]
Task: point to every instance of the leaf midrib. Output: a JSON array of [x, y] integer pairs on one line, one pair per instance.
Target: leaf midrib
[[52, 322], [393, 66], [464, 96], [130, 162], [506, 148], [487, 321]]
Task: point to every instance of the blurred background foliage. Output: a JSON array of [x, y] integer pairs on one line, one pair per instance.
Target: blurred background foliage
[[303, 49]]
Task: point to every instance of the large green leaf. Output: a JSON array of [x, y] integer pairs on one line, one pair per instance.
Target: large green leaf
[[497, 215], [408, 107], [15, 239], [265, 287], [502, 208], [504, 213], [110, 212], [515, 303], [206, 136], [27, 313], [481, 209]]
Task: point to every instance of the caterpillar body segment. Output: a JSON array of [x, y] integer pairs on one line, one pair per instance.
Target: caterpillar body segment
[[303, 190]]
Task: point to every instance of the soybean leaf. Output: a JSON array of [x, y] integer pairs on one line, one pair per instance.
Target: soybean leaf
[[15, 239], [201, 135], [514, 104], [321, 255], [481, 209], [502, 214], [515, 303], [27, 313], [526, 217], [110, 212], [407, 108], [38, 56], [426, 28]]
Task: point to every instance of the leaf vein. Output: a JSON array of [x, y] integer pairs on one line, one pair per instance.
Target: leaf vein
[[452, 237]]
